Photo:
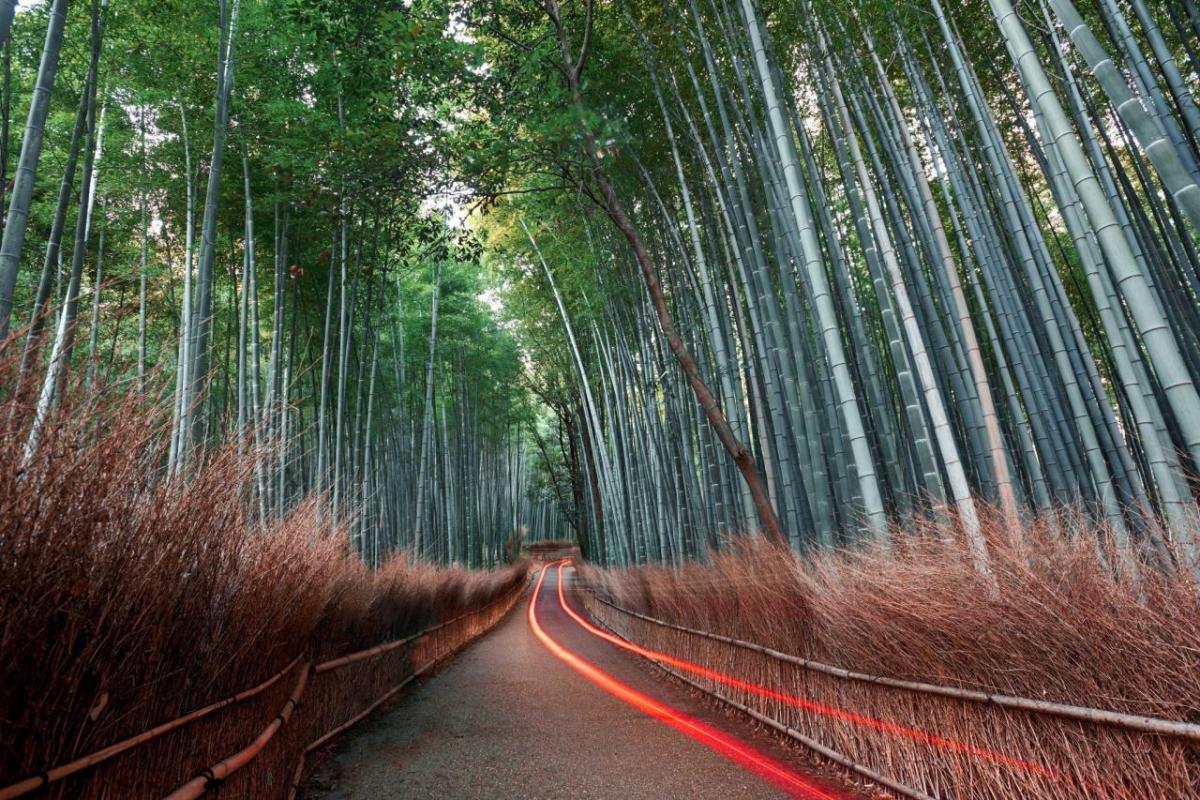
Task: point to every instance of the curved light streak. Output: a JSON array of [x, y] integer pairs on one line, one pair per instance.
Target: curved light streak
[[728, 746], [832, 712]]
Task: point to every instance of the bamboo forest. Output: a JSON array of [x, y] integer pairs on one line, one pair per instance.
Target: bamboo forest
[[820, 379]]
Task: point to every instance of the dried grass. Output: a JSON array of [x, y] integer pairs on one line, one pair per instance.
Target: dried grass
[[126, 601], [1057, 625]]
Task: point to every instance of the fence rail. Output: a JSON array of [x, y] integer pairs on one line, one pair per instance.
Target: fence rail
[[477, 622], [922, 740], [1133, 722], [807, 741], [214, 775], [56, 774]]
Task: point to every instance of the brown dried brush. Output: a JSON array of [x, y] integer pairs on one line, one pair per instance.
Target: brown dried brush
[[127, 600], [1056, 622]]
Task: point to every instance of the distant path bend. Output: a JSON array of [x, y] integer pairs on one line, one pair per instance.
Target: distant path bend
[[540, 708]]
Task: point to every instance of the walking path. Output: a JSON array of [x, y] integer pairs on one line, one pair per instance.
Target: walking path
[[541, 708]]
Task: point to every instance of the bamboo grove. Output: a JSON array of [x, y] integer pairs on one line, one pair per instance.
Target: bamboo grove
[[650, 274], [229, 207], [887, 260]]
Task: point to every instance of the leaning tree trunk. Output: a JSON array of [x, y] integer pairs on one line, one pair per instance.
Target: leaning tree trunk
[[740, 454]]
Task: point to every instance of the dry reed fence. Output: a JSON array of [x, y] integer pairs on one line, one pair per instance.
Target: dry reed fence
[[1058, 628], [304, 706], [127, 601], [551, 550]]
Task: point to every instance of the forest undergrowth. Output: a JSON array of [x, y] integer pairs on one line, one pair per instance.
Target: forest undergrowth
[[1055, 622], [127, 600]]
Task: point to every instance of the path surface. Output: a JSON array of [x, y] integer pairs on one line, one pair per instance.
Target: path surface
[[507, 718]]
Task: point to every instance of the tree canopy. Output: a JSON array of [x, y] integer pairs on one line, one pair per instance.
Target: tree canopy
[[653, 274]]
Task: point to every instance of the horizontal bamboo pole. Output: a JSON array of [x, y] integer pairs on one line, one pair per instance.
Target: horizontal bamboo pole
[[809, 742], [78, 765], [1134, 722], [200, 784], [35, 782], [363, 655], [371, 652], [299, 772]]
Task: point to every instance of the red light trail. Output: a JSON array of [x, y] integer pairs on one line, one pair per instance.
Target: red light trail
[[728, 746], [800, 702], [940, 742]]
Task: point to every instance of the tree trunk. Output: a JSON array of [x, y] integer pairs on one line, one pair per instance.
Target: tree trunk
[[27, 164], [195, 427], [740, 454]]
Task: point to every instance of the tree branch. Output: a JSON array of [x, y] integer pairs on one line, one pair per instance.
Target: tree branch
[[577, 70]]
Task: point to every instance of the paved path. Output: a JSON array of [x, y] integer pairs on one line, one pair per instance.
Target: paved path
[[507, 718]]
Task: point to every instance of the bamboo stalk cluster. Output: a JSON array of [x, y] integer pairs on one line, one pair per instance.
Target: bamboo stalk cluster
[[418, 449], [915, 278]]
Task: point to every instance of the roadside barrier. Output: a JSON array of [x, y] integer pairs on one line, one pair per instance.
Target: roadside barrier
[[946, 740], [78, 765], [326, 699]]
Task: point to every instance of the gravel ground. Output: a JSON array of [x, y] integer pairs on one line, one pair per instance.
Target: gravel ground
[[506, 719]]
